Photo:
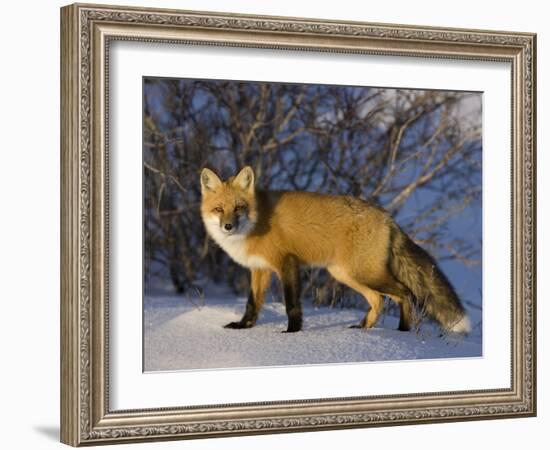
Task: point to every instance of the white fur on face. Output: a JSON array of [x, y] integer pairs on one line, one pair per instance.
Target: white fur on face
[[234, 243]]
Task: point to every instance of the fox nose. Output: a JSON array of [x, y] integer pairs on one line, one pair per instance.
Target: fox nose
[[228, 226]]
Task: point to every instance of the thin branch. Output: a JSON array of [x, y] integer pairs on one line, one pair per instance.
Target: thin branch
[[165, 175]]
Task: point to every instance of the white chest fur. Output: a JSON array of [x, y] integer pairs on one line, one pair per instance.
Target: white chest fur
[[235, 246]]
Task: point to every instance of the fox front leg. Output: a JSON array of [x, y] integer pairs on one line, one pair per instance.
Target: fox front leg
[[259, 282], [290, 278], [250, 315]]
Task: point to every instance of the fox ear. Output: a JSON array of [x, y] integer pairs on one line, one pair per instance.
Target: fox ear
[[209, 181], [245, 179]]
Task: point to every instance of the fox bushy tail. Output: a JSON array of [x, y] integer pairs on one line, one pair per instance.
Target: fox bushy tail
[[432, 292]]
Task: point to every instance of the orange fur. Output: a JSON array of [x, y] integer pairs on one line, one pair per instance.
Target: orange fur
[[346, 235]]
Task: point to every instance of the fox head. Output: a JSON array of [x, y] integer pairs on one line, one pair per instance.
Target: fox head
[[228, 207]]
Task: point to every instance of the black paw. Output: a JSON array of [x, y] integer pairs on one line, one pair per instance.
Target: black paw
[[238, 325], [294, 325], [356, 326]]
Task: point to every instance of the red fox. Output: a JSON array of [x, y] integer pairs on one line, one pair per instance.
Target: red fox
[[358, 243]]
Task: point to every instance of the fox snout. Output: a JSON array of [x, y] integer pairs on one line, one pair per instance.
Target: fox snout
[[230, 224]]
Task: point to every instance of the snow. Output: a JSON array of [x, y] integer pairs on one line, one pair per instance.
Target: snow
[[182, 333]]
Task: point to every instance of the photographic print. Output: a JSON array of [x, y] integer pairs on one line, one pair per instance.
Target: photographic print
[[306, 202], [296, 224]]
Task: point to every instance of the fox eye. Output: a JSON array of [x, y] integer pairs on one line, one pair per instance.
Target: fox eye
[[218, 209], [239, 208]]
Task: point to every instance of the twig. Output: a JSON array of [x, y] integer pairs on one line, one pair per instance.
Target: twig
[[165, 175]]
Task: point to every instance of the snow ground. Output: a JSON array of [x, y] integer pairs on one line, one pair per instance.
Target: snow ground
[[181, 334]]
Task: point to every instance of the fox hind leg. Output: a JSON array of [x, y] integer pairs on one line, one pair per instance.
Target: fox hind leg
[[405, 312], [374, 294], [374, 298], [401, 295], [376, 303]]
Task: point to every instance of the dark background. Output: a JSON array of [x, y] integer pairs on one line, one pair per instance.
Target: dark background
[[417, 153]]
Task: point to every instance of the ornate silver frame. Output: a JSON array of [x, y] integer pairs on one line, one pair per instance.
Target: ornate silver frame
[[86, 31]]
